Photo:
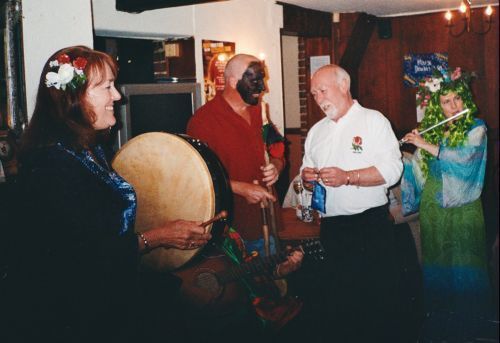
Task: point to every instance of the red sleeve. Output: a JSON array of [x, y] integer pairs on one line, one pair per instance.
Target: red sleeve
[[195, 129]]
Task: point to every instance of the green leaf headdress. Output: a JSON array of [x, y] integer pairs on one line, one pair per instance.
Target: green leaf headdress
[[429, 91]]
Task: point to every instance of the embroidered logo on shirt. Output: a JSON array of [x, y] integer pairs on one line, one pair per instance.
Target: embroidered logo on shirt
[[356, 144]]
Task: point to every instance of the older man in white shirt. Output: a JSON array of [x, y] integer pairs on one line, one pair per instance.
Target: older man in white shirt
[[354, 155]]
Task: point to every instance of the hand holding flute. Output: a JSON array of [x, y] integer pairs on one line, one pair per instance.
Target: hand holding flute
[[411, 138], [415, 138]]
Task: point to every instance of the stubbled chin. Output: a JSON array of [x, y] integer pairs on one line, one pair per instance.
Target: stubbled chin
[[332, 114]]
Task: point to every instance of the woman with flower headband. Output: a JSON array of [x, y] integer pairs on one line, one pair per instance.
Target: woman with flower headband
[[444, 181], [77, 276]]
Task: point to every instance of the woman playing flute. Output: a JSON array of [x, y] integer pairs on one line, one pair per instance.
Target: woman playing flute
[[444, 181]]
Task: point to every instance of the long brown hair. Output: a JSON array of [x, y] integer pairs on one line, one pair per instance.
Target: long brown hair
[[64, 115]]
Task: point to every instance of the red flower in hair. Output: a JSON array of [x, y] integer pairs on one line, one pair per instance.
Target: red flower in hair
[[63, 58], [357, 140], [65, 73], [80, 63]]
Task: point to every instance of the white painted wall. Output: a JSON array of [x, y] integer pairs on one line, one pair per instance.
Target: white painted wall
[[48, 26], [290, 49], [253, 25]]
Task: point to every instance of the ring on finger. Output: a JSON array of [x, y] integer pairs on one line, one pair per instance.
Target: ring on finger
[[191, 244], [326, 180]]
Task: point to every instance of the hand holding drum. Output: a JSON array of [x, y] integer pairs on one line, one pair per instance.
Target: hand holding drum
[[180, 234]]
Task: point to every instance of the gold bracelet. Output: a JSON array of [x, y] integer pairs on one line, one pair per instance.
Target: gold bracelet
[[146, 243], [358, 182], [348, 179]]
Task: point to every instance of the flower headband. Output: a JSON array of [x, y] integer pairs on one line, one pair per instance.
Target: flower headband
[[67, 73], [440, 79]]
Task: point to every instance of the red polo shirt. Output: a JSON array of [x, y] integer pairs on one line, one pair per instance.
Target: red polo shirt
[[240, 148]]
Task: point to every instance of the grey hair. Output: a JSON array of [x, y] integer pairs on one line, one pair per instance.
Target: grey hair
[[339, 74]]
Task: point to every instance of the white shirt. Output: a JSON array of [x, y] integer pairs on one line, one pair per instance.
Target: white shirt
[[332, 144]]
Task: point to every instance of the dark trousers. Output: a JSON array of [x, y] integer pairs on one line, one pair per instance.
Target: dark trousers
[[360, 278]]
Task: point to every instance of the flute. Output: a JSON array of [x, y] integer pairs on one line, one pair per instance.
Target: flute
[[402, 141]]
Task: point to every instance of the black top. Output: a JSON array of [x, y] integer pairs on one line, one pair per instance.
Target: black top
[[74, 272]]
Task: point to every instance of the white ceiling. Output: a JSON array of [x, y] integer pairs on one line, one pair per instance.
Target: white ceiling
[[385, 7]]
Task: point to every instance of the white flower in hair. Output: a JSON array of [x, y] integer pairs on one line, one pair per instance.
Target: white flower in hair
[[66, 73], [52, 80], [69, 73], [434, 84]]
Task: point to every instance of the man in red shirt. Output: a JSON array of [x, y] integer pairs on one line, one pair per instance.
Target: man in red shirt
[[231, 125]]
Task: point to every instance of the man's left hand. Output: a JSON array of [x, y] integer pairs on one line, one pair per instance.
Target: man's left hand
[[333, 176], [270, 173]]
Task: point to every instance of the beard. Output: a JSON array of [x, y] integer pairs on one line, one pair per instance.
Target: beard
[[332, 112]]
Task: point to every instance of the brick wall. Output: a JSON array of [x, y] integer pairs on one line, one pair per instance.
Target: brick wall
[[302, 92]]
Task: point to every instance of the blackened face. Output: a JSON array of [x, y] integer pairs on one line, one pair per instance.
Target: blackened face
[[251, 84]]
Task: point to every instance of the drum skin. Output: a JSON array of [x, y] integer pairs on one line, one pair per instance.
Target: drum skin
[[174, 177]]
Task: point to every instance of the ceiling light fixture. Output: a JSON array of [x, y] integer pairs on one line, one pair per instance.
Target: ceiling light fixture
[[466, 11]]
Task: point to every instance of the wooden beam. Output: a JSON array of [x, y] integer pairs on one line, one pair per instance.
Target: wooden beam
[[356, 47], [305, 22], [137, 6]]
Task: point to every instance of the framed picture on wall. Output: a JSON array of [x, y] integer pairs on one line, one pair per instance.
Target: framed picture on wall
[[419, 66], [215, 57], [318, 62]]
